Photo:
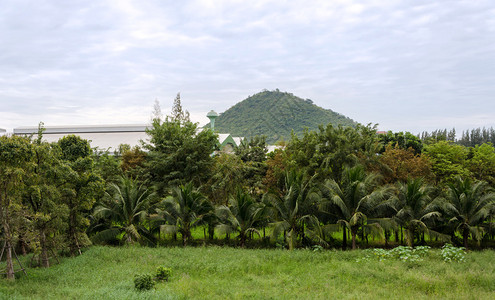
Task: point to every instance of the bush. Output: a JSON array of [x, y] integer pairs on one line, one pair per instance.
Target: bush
[[163, 274], [144, 282], [451, 253]]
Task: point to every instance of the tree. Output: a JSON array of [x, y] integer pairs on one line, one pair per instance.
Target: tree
[[448, 161], [82, 187], [48, 214], [468, 205], [327, 152], [178, 114], [124, 208], [294, 208], [253, 150], [133, 162], [183, 210], [352, 199], [226, 177], [414, 208], [277, 165], [240, 216], [178, 154], [399, 164], [15, 161], [401, 140], [481, 162], [107, 165]]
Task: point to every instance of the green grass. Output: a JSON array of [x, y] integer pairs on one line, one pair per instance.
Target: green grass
[[230, 273]]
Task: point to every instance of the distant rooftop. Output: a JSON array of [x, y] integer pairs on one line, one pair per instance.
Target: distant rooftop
[[83, 129]]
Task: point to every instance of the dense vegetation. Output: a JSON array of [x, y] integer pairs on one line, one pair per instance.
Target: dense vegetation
[[337, 187], [275, 114]]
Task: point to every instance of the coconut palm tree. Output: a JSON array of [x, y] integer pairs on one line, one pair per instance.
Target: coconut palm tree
[[351, 200], [294, 207], [240, 216], [414, 208], [123, 209], [183, 210], [468, 205]]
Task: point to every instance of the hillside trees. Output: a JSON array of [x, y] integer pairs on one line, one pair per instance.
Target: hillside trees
[[275, 114]]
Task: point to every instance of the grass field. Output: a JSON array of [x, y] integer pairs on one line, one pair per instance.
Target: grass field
[[230, 273]]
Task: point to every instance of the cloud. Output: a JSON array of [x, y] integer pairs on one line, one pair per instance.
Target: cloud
[[389, 62]]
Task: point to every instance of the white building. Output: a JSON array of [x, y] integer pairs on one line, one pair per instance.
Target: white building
[[102, 136]]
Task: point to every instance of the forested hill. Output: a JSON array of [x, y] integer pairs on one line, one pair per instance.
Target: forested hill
[[274, 114]]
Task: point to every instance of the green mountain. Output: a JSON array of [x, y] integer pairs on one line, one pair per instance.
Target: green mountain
[[275, 114]]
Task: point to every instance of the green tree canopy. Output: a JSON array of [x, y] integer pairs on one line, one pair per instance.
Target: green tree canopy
[[178, 153], [16, 155]]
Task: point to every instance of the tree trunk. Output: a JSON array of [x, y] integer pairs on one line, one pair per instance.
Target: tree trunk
[[410, 237], [23, 245], [401, 236], [353, 234], [8, 243], [45, 263], [344, 238], [396, 232], [242, 242], [211, 232], [465, 236], [73, 245], [290, 236], [10, 262]]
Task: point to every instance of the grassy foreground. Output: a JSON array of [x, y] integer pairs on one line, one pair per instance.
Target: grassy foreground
[[229, 273]]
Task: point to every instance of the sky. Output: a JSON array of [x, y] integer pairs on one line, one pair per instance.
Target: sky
[[407, 65]]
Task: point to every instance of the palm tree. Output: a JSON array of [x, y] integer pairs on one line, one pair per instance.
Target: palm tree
[[294, 207], [468, 205], [183, 210], [414, 208], [350, 201], [124, 208], [241, 215]]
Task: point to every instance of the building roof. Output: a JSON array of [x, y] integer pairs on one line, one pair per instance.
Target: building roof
[[83, 129], [101, 136]]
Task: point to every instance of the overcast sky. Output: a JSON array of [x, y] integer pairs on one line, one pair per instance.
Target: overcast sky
[[407, 65]]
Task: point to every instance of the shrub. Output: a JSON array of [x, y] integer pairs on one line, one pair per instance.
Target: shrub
[[144, 282], [163, 274], [451, 253]]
